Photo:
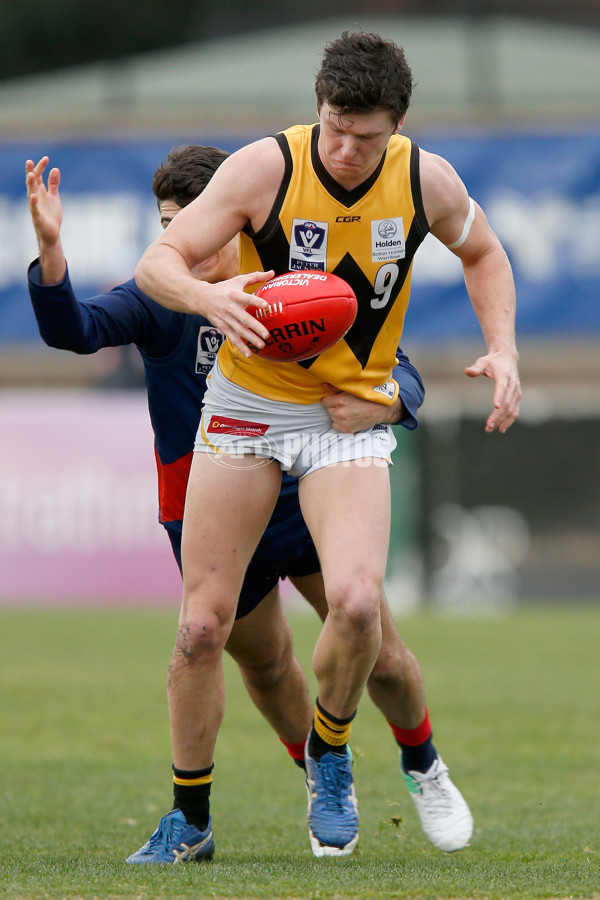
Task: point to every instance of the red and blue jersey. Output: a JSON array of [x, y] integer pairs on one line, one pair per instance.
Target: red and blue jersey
[[178, 351]]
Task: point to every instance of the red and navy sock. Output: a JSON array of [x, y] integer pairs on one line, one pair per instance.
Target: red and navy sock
[[191, 794], [328, 734], [416, 745], [296, 751]]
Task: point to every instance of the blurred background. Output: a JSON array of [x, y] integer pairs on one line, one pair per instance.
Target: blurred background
[[507, 91]]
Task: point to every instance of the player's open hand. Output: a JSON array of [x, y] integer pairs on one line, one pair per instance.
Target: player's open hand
[[44, 202], [226, 306], [502, 367]]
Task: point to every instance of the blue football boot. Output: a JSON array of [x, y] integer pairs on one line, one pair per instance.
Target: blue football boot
[[332, 805], [176, 841]]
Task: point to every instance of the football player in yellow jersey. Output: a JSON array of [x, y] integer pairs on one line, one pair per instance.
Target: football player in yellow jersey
[[363, 92]]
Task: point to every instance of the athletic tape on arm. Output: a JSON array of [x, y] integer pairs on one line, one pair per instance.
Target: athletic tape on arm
[[466, 229]]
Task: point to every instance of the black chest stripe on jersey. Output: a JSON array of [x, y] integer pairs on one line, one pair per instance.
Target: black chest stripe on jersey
[[273, 218], [274, 251], [415, 186]]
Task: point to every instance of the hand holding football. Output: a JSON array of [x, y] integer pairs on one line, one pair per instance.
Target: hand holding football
[[308, 313]]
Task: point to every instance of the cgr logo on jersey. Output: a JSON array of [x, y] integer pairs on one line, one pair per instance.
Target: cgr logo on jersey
[[308, 245], [209, 341], [387, 239]]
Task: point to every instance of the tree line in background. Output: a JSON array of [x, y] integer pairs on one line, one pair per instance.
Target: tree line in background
[[39, 35]]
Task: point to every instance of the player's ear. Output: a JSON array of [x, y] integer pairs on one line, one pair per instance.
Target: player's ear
[[400, 124]]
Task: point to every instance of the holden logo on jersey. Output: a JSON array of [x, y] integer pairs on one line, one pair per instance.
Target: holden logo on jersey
[[209, 341], [308, 245], [387, 229], [387, 239]]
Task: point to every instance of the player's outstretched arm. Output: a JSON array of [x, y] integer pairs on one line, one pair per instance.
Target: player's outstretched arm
[[46, 214], [121, 316], [461, 224], [489, 282]]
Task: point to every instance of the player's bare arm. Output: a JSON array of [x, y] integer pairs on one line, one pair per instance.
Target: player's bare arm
[[232, 199], [463, 227], [46, 214]]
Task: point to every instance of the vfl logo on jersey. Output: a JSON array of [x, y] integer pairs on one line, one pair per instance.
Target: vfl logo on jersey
[[308, 245], [209, 341], [225, 425], [387, 239], [388, 389]]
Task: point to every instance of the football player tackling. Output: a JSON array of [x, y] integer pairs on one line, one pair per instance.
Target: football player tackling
[[178, 351]]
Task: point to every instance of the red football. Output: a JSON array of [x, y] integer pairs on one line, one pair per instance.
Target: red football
[[308, 313]]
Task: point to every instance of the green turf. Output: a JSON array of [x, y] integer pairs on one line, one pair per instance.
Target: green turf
[[85, 766]]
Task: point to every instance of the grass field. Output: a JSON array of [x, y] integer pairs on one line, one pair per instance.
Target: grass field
[[85, 766]]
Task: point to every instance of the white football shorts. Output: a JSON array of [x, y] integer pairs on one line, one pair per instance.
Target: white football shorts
[[299, 436]]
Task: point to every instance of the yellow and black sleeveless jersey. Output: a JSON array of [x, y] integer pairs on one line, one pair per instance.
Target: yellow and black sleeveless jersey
[[368, 236]]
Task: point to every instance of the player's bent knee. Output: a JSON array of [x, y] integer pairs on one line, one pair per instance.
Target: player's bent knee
[[201, 634], [355, 605]]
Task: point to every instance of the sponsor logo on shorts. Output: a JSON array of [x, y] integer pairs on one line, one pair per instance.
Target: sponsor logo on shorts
[[387, 239], [225, 425], [380, 433]]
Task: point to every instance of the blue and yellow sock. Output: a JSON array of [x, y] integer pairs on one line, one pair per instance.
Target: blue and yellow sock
[[328, 734]]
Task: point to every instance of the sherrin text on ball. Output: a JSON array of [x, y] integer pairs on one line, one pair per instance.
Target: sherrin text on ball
[[308, 313]]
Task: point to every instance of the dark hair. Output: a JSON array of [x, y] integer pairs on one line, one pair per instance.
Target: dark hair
[[362, 72], [185, 173]]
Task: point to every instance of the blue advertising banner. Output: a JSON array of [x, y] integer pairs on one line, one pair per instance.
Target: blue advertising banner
[[541, 193]]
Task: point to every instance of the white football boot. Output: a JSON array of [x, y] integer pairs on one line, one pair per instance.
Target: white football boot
[[444, 814]]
